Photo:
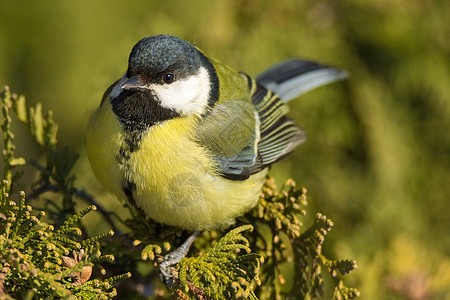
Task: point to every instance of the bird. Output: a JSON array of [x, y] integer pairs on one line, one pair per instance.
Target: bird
[[188, 140]]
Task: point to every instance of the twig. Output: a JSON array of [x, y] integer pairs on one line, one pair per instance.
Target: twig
[[47, 187]]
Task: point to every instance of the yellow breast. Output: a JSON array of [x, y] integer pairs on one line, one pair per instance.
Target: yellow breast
[[104, 136], [175, 179]]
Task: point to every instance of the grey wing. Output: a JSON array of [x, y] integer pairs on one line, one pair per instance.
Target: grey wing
[[230, 132], [268, 134], [246, 137], [279, 136], [241, 165]]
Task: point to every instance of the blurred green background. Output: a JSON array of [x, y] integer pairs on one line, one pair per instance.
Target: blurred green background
[[377, 157]]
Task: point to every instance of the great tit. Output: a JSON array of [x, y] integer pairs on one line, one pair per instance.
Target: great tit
[[187, 139]]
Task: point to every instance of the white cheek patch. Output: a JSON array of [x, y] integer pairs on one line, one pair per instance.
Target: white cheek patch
[[186, 96], [117, 89]]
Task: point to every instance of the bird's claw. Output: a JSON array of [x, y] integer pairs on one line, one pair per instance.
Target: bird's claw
[[169, 261], [174, 258]]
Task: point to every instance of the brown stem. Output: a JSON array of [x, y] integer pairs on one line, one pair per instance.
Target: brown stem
[[47, 187]]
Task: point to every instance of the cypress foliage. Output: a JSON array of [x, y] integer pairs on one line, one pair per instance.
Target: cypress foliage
[[47, 253]]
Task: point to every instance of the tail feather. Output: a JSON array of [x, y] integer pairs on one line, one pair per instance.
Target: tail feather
[[292, 78]]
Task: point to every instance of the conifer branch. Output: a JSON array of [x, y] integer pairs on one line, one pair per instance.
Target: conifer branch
[[49, 254]]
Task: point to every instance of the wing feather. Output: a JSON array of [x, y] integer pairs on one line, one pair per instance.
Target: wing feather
[[245, 136]]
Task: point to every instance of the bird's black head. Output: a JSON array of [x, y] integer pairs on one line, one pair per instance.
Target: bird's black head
[[166, 77], [154, 56]]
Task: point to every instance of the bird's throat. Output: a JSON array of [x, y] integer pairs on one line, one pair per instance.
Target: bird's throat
[[137, 110]]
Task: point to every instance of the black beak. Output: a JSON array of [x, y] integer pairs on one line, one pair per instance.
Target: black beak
[[133, 83]]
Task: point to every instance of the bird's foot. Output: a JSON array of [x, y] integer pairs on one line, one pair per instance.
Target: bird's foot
[[175, 257]]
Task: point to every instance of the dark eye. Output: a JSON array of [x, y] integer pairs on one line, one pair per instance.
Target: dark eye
[[168, 78]]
